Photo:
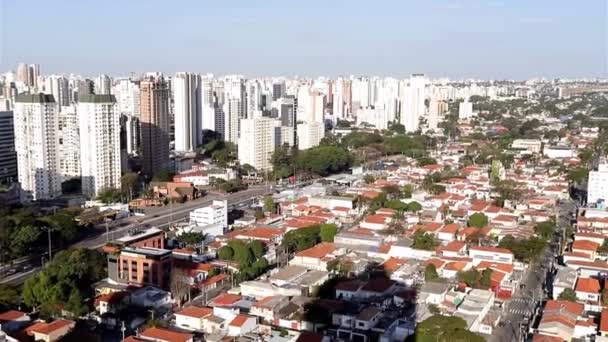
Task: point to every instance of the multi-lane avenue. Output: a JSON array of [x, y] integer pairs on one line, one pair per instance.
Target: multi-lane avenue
[[161, 217]]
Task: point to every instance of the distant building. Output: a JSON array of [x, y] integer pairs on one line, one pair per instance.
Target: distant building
[[8, 156], [310, 134], [36, 144], [99, 143], [465, 110], [257, 142], [187, 110], [154, 119], [597, 189], [216, 213], [141, 266]]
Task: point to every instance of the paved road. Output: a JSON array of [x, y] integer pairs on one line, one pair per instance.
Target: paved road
[[161, 219], [521, 309]]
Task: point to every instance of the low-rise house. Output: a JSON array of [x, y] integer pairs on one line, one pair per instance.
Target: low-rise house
[[433, 293], [13, 320], [241, 325], [588, 292], [267, 308], [482, 253], [192, 317], [316, 257], [586, 247], [474, 308], [559, 318], [50, 332], [160, 335], [565, 278]]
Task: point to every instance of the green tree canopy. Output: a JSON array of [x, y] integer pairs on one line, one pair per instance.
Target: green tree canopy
[[328, 231], [422, 240], [430, 273], [438, 328], [478, 220], [568, 294]]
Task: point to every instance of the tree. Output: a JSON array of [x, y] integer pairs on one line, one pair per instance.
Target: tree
[[438, 328], [430, 273], [163, 175], [423, 161], [407, 191], [578, 175], [180, 285], [545, 229], [225, 253], [508, 190], [269, 204], [65, 282], [128, 181], [486, 278], [369, 179], [422, 240], [8, 295], [414, 206], [109, 195], [257, 248], [478, 220], [328, 231], [191, 239], [568, 294], [300, 239], [470, 277]]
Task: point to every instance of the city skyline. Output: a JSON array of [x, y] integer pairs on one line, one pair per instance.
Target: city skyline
[[466, 39]]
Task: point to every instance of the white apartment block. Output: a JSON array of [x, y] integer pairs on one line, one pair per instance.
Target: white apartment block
[[216, 213], [36, 144], [412, 102], [99, 143], [310, 134], [465, 110], [598, 183], [69, 143], [257, 142]]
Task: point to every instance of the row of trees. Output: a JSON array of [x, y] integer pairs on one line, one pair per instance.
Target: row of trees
[[321, 160], [249, 256], [524, 250], [23, 233], [65, 282], [438, 328], [301, 239]]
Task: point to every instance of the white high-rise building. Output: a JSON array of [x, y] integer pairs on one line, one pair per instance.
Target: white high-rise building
[[310, 134], [127, 96], [254, 98], [59, 87], [257, 142], [103, 85], [69, 143], [233, 109], [186, 107], [99, 143], [216, 213], [36, 144], [207, 104], [412, 103], [465, 110]]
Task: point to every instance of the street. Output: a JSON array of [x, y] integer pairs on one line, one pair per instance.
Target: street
[[519, 311], [161, 218]]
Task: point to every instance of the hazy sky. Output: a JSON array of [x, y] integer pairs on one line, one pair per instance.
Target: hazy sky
[[481, 39]]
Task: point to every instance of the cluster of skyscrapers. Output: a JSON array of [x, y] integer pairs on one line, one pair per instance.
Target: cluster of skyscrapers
[[72, 126]]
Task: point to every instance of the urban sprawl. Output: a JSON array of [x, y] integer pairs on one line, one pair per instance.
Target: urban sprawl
[[192, 207]]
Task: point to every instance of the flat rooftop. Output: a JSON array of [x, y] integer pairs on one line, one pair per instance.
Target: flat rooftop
[[139, 234], [147, 251]]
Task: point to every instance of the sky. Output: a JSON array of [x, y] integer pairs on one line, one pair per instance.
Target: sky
[[508, 39]]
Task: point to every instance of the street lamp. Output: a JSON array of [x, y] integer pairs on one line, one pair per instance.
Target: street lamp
[[48, 230]]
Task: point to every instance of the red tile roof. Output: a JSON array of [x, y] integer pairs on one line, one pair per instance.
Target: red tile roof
[[225, 299], [588, 285], [166, 335], [604, 321], [11, 315], [239, 320], [585, 245], [47, 328], [318, 251], [491, 249], [195, 311]]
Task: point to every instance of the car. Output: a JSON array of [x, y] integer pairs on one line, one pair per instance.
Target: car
[[11, 271]]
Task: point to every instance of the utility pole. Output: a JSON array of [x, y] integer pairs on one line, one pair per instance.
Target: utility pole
[[48, 230], [123, 329]]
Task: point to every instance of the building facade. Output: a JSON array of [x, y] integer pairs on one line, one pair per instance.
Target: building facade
[[36, 144], [154, 120], [99, 143]]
